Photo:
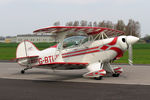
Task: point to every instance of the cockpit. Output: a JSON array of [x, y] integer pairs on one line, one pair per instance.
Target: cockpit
[[73, 41]]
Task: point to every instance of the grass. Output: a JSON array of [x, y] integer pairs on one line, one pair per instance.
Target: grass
[[8, 50], [141, 52], [140, 56], [38, 45]]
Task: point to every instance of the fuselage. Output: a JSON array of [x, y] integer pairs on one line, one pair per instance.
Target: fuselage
[[104, 50]]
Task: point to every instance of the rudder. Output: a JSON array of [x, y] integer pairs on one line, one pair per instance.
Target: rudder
[[25, 49]]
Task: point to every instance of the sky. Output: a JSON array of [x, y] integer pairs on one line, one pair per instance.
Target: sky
[[25, 16]]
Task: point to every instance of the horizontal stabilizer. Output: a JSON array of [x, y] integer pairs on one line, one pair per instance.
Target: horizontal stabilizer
[[25, 57]]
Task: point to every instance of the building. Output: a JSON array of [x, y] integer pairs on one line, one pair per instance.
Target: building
[[36, 38], [2, 39], [10, 39]]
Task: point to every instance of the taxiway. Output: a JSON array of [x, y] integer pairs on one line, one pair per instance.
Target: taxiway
[[131, 75], [44, 84]]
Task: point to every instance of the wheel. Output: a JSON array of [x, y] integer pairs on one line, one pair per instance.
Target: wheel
[[98, 78], [116, 75], [22, 71]]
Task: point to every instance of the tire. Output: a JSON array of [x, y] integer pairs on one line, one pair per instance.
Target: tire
[[116, 75], [22, 71], [98, 78]]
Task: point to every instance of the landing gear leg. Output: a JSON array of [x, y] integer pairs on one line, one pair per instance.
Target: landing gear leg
[[23, 71]]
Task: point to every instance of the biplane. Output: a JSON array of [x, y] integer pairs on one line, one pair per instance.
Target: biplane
[[94, 48]]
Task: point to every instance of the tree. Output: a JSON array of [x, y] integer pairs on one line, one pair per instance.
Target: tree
[[109, 24], [120, 25], [133, 28], [83, 23], [90, 24], [146, 38], [95, 24], [56, 23], [69, 23], [76, 23], [102, 24], [137, 28]]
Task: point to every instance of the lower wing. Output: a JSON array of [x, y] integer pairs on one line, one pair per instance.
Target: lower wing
[[63, 65]]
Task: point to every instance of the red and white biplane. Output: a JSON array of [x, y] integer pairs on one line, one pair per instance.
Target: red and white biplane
[[90, 48]]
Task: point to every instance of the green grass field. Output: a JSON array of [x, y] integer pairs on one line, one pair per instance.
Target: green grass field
[[141, 52]]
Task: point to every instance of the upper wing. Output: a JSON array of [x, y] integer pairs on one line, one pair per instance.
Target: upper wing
[[77, 30], [63, 65]]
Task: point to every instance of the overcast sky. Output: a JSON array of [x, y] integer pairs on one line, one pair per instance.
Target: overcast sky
[[25, 16]]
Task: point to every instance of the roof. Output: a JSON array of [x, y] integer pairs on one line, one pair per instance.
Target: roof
[[76, 29]]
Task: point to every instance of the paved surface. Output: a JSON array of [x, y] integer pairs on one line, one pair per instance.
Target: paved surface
[[50, 90], [132, 74], [43, 84]]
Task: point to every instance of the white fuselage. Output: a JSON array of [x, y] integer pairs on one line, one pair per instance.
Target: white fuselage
[[89, 52]]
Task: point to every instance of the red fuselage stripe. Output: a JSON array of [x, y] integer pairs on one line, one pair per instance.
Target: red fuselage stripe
[[117, 68], [119, 51], [104, 47], [80, 50], [114, 41], [81, 53]]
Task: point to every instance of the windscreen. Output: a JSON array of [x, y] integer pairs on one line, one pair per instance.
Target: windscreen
[[74, 41]]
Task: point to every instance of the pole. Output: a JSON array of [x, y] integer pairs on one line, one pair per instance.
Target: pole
[[130, 52]]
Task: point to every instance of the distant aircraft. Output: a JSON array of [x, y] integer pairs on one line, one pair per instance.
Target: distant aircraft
[[94, 51]]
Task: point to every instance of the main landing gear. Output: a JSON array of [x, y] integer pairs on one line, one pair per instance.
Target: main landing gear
[[101, 77], [23, 71], [116, 75], [98, 78]]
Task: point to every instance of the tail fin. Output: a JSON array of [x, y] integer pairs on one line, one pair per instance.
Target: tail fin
[[25, 49]]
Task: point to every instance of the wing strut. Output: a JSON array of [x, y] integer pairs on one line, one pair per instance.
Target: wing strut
[[103, 35]]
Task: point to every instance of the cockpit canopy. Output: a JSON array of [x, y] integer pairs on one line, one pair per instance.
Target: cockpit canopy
[[73, 41]]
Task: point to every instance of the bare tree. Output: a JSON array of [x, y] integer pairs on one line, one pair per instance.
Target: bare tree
[[69, 23], [83, 23], [90, 24], [120, 25], [76, 23], [56, 23], [137, 28], [133, 28], [95, 24], [109, 24], [102, 24]]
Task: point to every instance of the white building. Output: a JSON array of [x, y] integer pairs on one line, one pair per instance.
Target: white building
[[2, 39], [36, 38]]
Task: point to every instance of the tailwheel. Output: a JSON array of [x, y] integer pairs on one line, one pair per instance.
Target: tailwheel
[[98, 78], [22, 71], [116, 75]]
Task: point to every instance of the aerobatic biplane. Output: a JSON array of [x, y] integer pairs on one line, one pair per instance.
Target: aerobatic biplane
[[93, 48]]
